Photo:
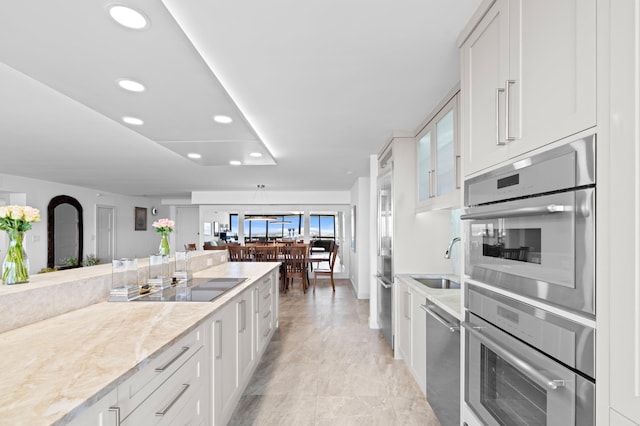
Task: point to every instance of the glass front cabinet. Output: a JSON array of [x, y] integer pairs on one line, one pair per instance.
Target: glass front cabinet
[[438, 157]]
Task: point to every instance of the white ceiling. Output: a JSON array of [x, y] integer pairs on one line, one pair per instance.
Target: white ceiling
[[316, 86]]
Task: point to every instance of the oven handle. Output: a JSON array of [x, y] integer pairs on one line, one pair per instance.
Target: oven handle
[[537, 376], [523, 211]]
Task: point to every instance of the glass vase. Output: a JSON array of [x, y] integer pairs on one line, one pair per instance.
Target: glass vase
[[15, 268], [164, 244]]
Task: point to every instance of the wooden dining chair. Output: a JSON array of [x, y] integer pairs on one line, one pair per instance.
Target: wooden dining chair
[[327, 271], [265, 253], [190, 247], [295, 260], [238, 253]]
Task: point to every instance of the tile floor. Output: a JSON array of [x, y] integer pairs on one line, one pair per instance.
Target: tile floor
[[324, 366]]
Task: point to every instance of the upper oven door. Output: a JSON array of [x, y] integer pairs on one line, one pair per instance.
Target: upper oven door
[[540, 247]]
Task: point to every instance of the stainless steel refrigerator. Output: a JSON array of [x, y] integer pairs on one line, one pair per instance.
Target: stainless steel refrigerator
[[385, 252]]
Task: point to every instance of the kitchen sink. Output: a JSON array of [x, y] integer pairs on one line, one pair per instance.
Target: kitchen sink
[[436, 281]]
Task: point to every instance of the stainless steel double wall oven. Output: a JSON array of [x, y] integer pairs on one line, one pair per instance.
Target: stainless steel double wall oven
[[530, 304]]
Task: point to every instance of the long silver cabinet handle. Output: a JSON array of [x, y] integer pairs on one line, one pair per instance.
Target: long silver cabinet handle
[[183, 351], [218, 325], [173, 401], [528, 369], [524, 211], [429, 309], [117, 411], [456, 165], [498, 141], [507, 125]]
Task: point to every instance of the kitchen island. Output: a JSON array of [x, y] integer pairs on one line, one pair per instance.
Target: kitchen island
[[54, 370]]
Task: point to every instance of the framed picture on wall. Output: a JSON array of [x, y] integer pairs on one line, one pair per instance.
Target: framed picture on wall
[[140, 219], [207, 228]]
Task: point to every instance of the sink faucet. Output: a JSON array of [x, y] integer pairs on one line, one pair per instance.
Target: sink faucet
[[447, 254]]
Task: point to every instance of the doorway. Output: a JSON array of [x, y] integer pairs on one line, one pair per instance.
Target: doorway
[[187, 227], [105, 233]]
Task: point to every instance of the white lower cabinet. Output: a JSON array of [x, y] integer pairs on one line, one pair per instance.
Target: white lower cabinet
[[181, 399], [200, 379], [411, 336], [402, 342], [419, 339], [224, 358], [245, 329], [102, 413], [240, 332], [264, 308]]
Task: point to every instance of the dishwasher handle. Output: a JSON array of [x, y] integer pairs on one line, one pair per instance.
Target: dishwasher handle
[[453, 327]]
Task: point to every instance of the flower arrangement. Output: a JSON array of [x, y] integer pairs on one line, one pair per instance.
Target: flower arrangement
[[16, 220], [163, 225]]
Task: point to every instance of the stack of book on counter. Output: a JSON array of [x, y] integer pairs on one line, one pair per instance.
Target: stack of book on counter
[[123, 294]]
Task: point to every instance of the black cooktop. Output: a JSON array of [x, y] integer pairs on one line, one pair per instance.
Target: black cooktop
[[194, 290]]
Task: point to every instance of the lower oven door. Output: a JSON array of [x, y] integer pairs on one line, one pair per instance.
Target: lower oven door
[[540, 247], [509, 383]]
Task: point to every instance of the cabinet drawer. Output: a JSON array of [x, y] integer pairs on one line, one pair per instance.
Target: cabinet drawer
[[182, 396], [135, 390], [264, 286], [264, 301]]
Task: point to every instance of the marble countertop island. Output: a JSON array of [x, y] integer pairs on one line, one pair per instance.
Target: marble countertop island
[[54, 367]]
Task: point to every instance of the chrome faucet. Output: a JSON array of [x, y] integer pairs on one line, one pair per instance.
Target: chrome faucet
[[447, 254]]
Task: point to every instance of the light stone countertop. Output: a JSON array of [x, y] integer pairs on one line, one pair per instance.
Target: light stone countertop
[[447, 299], [53, 368]]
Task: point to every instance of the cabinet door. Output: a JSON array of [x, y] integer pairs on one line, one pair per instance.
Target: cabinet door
[[623, 191], [419, 340], [552, 70], [438, 158], [446, 147], [485, 69], [425, 167], [224, 353], [403, 316], [103, 413], [244, 309]]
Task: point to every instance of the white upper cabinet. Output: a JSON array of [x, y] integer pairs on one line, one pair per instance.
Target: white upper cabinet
[[528, 78], [438, 158], [620, 203]]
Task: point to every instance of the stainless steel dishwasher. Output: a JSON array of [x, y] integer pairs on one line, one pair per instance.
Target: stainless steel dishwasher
[[443, 364]]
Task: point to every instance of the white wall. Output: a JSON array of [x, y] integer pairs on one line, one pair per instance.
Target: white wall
[[360, 274], [420, 240], [129, 243]]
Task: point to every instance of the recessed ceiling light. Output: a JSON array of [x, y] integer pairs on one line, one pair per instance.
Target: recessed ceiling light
[[128, 17], [235, 162], [133, 120], [222, 119], [255, 154], [349, 172], [130, 85], [194, 155]]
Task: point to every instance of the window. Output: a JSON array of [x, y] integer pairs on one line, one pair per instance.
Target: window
[[262, 229], [322, 226]]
